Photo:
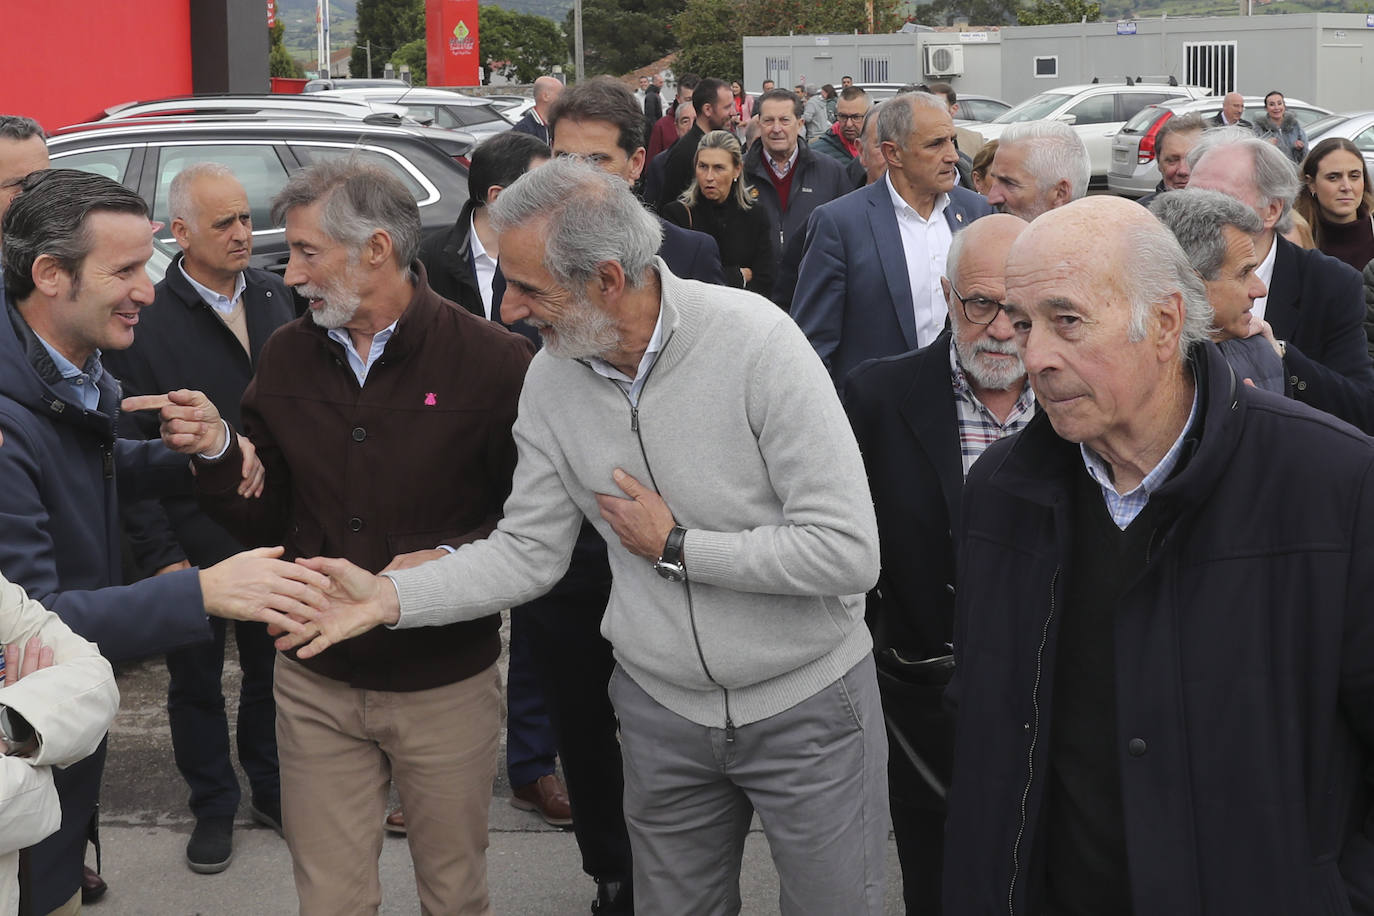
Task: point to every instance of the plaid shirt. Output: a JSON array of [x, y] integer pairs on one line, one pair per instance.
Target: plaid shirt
[[1124, 507], [978, 426]]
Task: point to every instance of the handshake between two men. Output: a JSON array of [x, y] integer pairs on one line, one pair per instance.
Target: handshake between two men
[[310, 604]]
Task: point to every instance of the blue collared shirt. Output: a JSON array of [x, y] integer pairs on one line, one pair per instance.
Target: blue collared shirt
[[217, 301], [1124, 507], [361, 366], [80, 386]]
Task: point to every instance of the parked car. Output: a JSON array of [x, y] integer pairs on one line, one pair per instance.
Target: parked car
[[437, 107], [145, 154], [1357, 127], [971, 107], [275, 105], [322, 84], [1096, 111], [513, 107], [1134, 173]]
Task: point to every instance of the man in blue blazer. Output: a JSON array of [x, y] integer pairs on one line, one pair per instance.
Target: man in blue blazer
[[869, 284]]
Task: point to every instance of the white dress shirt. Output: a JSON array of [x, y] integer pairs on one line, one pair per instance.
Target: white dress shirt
[[926, 243], [483, 264], [1265, 272]]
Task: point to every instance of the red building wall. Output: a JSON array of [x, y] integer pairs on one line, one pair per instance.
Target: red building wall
[[63, 61]]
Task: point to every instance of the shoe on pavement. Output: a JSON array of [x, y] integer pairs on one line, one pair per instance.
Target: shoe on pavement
[[93, 887], [614, 898], [211, 846], [267, 811], [395, 822], [548, 797]]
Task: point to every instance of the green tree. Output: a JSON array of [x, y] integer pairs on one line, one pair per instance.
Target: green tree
[[1049, 12], [519, 46], [387, 24], [810, 17], [621, 35], [709, 37], [279, 60], [414, 54], [974, 12]]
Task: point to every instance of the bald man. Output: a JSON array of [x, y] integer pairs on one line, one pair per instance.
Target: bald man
[[1164, 663], [1232, 113], [536, 120], [921, 420]]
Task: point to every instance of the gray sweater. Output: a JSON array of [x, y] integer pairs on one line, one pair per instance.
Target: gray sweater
[[740, 430]]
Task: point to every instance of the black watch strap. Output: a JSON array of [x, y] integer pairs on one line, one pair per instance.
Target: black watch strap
[[672, 547]]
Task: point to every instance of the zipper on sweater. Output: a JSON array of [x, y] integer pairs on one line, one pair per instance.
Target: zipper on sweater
[[1030, 754], [686, 584]]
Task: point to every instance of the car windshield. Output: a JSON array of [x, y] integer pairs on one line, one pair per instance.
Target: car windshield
[[1033, 108]]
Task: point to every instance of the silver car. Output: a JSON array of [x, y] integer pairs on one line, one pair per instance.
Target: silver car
[[1096, 111], [1134, 171], [1357, 127], [437, 107]]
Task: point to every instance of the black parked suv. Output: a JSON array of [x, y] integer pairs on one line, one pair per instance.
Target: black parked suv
[[146, 154]]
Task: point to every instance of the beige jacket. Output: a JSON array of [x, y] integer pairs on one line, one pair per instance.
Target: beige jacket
[[70, 705]]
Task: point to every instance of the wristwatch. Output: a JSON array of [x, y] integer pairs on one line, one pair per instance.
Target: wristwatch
[[669, 565]]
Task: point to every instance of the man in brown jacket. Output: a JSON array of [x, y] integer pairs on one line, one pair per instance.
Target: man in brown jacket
[[383, 420]]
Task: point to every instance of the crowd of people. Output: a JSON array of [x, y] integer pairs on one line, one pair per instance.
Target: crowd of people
[[828, 473]]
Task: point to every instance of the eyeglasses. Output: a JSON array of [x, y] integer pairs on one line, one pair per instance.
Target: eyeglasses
[[978, 309], [849, 117]]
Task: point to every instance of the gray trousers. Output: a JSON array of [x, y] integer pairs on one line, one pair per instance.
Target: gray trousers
[[816, 774]]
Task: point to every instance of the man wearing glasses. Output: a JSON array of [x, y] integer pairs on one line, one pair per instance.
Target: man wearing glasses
[[921, 419], [869, 283], [841, 141]]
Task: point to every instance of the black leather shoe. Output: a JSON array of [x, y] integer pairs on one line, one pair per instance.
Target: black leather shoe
[[211, 846], [614, 898], [93, 887], [267, 811]]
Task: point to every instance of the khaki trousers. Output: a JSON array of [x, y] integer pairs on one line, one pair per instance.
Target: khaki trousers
[[341, 746]]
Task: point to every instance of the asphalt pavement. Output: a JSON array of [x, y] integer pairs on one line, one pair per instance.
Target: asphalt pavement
[[533, 869]]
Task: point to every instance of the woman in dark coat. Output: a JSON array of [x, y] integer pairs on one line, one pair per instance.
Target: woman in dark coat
[[718, 203]]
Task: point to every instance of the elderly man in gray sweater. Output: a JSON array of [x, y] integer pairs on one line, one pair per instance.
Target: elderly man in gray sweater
[[698, 431]]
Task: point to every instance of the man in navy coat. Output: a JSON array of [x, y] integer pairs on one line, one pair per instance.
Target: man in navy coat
[[921, 419], [869, 283], [212, 314]]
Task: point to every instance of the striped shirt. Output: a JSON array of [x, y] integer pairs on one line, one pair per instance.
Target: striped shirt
[[978, 426], [1124, 507]]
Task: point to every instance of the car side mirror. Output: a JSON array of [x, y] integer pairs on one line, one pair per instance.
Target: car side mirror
[[1068, 119]]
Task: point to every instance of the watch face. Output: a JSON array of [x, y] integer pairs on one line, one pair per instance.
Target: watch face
[[673, 572]]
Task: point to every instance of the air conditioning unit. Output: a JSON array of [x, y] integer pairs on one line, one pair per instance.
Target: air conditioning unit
[[944, 60]]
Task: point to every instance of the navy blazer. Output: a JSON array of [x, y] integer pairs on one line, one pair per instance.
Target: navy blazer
[[903, 413], [853, 298], [1316, 304]]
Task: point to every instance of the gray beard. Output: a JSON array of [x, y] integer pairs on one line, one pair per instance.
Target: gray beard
[[585, 332], [993, 376], [339, 306]]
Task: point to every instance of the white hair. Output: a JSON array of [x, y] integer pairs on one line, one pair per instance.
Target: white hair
[[1054, 153]]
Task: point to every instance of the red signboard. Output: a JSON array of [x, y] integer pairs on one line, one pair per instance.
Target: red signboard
[[452, 52], [120, 52], [271, 13]]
